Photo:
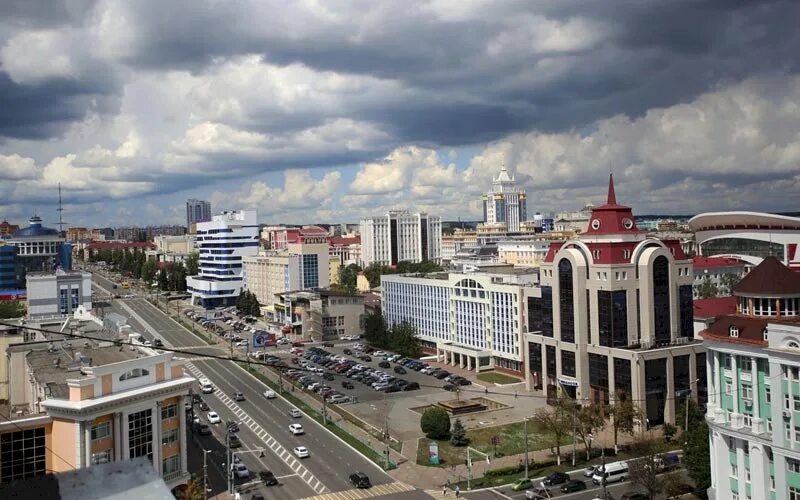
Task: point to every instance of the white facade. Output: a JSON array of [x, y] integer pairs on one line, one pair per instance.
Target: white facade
[[58, 294], [506, 204], [222, 243], [523, 253], [469, 319], [401, 236]]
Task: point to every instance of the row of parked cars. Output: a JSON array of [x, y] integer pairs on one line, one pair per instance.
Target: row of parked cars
[[311, 384], [350, 368], [402, 364]]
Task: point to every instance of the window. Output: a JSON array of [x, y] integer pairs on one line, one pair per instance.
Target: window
[[792, 465], [566, 301], [728, 361], [745, 364], [797, 434], [733, 331], [171, 464], [786, 404], [101, 430], [661, 307], [612, 318], [140, 434], [767, 394], [170, 436], [747, 391], [796, 399], [169, 411], [568, 363], [734, 470], [102, 457], [135, 373], [22, 454]]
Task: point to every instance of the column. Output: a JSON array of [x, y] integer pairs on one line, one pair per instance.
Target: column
[[469, 363], [182, 428], [742, 470], [638, 382], [693, 374], [123, 431], [669, 407], [721, 463], [759, 471], [757, 421], [86, 460], [156, 425], [719, 415], [714, 466], [612, 384], [711, 379], [117, 423], [737, 415]]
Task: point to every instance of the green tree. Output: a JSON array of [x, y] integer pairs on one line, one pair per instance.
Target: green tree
[[149, 270], [163, 280], [696, 456], [404, 341], [727, 281], [624, 415], [373, 274], [193, 490], [588, 419], [11, 309], [458, 435], [644, 472], [375, 329], [707, 288], [348, 277], [192, 263], [435, 423], [558, 420]]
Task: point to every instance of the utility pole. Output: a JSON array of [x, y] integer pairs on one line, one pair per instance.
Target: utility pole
[[324, 407], [205, 474], [386, 438], [525, 424], [229, 469]]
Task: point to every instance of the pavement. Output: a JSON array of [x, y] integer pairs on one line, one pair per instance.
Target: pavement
[[263, 423]]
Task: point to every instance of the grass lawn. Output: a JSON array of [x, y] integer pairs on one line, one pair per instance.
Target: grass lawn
[[498, 378], [511, 442]]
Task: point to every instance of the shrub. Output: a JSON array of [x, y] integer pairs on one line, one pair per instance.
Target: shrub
[[435, 423], [459, 434]]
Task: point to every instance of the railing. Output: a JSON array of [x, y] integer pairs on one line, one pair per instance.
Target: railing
[[173, 475]]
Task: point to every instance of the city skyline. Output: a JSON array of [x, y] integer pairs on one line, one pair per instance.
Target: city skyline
[[133, 121]]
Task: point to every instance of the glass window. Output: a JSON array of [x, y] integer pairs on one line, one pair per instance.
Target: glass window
[[169, 411], [568, 363], [140, 434], [613, 318], [661, 307], [566, 301], [598, 378], [22, 454], [655, 389], [101, 430], [686, 304], [135, 373], [171, 464], [170, 436], [622, 375]]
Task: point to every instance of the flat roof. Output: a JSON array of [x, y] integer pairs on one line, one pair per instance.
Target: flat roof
[[743, 220]]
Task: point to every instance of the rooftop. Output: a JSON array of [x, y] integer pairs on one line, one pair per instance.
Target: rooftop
[[769, 278], [700, 262], [713, 307], [35, 228]]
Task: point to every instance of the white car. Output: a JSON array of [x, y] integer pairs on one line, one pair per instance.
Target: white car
[[240, 470], [296, 429], [378, 354], [269, 394], [241, 343], [207, 388], [213, 417], [301, 452]]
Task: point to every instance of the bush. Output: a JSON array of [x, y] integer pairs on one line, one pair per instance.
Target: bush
[[504, 471], [669, 431], [435, 423]]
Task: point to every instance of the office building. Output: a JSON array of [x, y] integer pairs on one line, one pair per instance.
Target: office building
[[455, 242], [7, 229], [319, 315], [753, 368], [197, 211], [720, 272], [39, 249], [471, 320], [58, 294], [615, 314], [77, 404], [347, 249], [401, 236], [77, 234], [577, 221], [10, 272], [505, 204], [523, 252], [222, 243]]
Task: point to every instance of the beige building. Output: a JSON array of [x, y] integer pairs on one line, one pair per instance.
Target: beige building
[[453, 243], [321, 315], [93, 402], [523, 253]]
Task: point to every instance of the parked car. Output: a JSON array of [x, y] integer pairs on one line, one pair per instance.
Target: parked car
[[521, 484], [573, 485], [204, 430], [234, 441], [555, 478], [400, 370], [590, 470], [360, 480], [348, 352], [412, 386], [450, 387], [384, 364], [347, 384]]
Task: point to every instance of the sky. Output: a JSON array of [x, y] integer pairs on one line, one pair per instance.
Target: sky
[[327, 111]]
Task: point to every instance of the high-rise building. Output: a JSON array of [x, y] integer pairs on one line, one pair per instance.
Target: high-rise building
[[222, 243], [753, 368], [615, 315], [197, 211], [401, 236], [505, 204]]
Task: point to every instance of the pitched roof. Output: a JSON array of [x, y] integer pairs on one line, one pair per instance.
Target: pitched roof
[[700, 262], [750, 330], [715, 306], [769, 278]]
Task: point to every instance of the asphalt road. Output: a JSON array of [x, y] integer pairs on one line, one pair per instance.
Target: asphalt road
[[331, 461]]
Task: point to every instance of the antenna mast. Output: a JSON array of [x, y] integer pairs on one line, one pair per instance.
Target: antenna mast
[[60, 209]]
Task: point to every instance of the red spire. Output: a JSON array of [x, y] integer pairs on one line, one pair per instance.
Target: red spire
[[612, 196]]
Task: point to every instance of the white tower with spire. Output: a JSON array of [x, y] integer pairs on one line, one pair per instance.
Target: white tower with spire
[[505, 204]]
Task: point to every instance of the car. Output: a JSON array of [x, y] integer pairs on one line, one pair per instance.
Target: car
[[348, 352], [240, 470], [241, 343], [555, 478], [360, 480], [233, 426], [521, 484], [207, 388], [634, 495], [328, 376], [327, 344], [234, 441], [537, 494], [366, 358], [158, 343], [213, 417], [295, 413], [204, 406], [400, 370], [450, 387], [268, 478], [347, 384], [384, 364], [238, 396], [338, 399], [297, 344], [204, 430], [441, 375], [269, 394], [572, 486], [590, 470], [301, 452], [379, 354], [296, 429], [412, 386]]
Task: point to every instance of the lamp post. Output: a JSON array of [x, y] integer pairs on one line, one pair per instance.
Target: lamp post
[[525, 426], [205, 474], [469, 463]]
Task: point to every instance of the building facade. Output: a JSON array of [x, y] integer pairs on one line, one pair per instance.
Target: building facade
[[471, 320], [523, 252], [39, 249], [346, 248], [505, 204], [754, 388], [615, 314], [197, 211], [320, 315], [721, 272], [401, 236], [58, 294], [222, 243]]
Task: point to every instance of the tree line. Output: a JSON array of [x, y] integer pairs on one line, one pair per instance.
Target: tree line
[[400, 338], [247, 303], [171, 277], [348, 275]]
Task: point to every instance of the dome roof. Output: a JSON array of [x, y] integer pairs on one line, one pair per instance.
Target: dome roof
[[35, 229], [770, 278]]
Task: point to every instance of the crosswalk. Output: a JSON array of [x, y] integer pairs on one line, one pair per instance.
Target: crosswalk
[[264, 436], [355, 494]]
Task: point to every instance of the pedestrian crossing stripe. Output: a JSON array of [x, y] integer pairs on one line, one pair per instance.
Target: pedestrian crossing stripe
[[375, 491]]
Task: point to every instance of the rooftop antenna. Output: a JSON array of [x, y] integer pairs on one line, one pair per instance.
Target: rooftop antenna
[[60, 209]]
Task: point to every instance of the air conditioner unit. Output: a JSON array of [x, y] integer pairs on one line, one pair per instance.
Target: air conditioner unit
[[787, 414]]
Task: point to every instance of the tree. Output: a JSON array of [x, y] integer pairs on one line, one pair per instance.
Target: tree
[[193, 490], [624, 414], [404, 341], [149, 270], [727, 281], [458, 435], [163, 281], [435, 423], [587, 420], [558, 420], [644, 472], [375, 329], [11, 309], [696, 455], [707, 288], [192, 263], [348, 277]]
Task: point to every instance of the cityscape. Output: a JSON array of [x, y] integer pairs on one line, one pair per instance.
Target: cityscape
[[339, 251]]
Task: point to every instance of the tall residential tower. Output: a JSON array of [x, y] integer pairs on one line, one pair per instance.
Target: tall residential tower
[[197, 211], [401, 236], [505, 204]]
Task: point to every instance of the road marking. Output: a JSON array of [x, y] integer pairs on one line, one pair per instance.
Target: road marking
[[375, 491], [284, 477], [276, 447]]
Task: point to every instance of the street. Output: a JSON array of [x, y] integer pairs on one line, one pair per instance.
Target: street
[[263, 423]]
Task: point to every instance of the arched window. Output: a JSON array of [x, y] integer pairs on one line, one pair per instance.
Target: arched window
[[566, 300], [135, 373], [661, 310]]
